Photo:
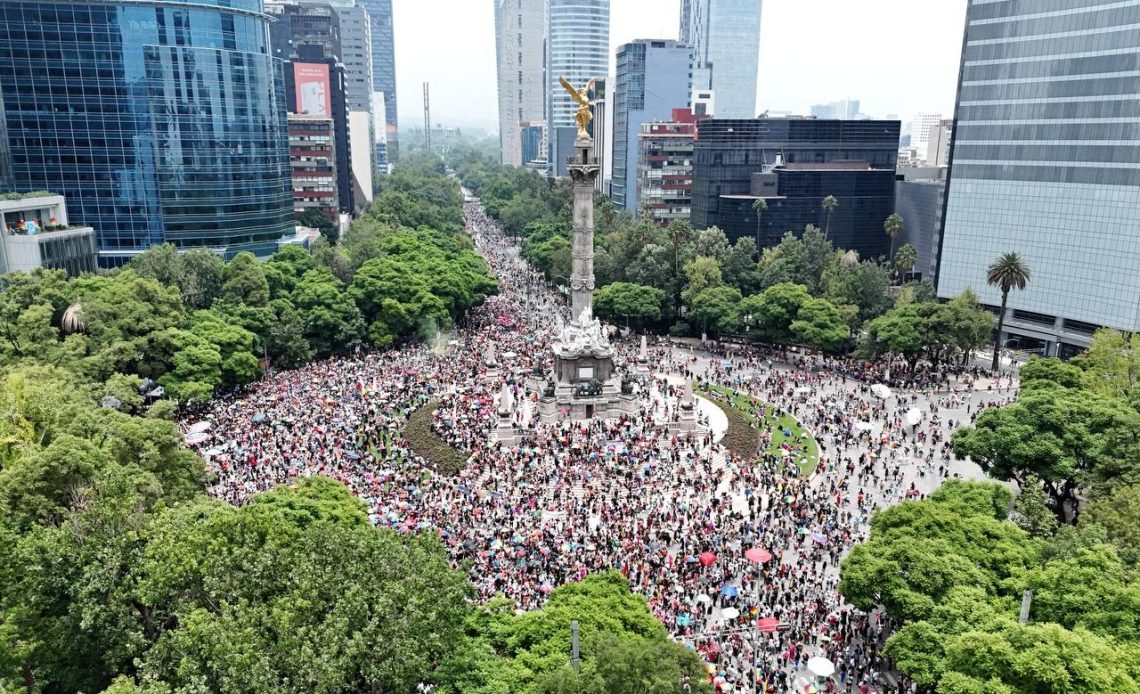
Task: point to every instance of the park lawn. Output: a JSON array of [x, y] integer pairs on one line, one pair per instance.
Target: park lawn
[[741, 408], [424, 442]]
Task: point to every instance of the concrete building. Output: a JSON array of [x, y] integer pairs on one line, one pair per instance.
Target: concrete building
[[844, 109], [652, 80], [665, 167], [520, 53], [577, 48], [919, 198], [938, 149], [35, 232], [602, 130], [384, 66], [1046, 163], [159, 122], [728, 153], [724, 36], [923, 127], [312, 156]]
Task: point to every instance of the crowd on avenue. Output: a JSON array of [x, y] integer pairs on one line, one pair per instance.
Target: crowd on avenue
[[738, 557]]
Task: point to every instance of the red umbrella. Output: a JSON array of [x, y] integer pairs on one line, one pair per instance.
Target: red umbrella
[[767, 624], [706, 558], [758, 555]]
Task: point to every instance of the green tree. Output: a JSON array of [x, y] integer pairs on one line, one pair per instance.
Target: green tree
[[712, 243], [828, 205], [1031, 510], [1008, 272], [202, 275], [905, 259], [1063, 437], [332, 321], [775, 309], [820, 324], [759, 206], [1118, 513], [243, 281], [701, 273], [893, 226], [629, 301], [318, 220], [716, 308]]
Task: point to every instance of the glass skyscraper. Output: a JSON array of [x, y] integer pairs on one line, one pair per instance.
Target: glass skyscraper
[[725, 38], [384, 65], [160, 122], [578, 46], [652, 80], [1046, 162]]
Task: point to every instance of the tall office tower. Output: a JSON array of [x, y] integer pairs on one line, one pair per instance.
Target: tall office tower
[[160, 122], [384, 65], [725, 38], [520, 52], [577, 48], [844, 109], [1046, 163], [652, 80], [923, 127]]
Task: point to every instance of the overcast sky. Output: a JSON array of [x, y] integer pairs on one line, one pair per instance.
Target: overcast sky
[[896, 56]]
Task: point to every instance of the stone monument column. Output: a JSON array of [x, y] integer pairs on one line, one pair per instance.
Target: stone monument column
[[583, 170]]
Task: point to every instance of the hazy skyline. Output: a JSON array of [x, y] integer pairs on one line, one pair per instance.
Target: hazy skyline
[[893, 57]]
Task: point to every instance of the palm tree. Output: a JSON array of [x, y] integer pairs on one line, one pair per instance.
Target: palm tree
[[893, 226], [829, 204], [760, 206], [1009, 271], [905, 260]]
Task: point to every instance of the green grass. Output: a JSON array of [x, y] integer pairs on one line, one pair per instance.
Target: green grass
[[742, 410], [441, 455]]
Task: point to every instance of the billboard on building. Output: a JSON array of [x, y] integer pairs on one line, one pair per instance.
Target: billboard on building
[[313, 88]]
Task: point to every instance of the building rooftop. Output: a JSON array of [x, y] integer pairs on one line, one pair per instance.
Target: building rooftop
[[839, 165]]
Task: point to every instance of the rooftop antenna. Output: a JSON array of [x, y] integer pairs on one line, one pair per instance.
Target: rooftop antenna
[[427, 118]]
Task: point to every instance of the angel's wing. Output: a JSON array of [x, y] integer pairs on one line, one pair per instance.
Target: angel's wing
[[573, 92]]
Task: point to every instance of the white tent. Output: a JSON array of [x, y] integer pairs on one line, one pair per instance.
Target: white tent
[[881, 391]]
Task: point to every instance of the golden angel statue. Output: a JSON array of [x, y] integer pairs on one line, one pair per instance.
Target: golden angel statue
[[583, 115]]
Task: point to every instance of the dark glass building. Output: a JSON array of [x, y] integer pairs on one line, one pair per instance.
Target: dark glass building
[[160, 122], [794, 194], [727, 153]]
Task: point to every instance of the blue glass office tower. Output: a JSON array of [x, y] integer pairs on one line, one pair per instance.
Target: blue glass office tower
[[652, 80], [160, 122], [725, 38], [1045, 162], [384, 66]]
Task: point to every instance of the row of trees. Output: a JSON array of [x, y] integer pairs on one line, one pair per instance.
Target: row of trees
[[192, 322], [952, 569], [696, 279]]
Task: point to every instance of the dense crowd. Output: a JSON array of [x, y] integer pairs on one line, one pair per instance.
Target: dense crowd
[[676, 513]]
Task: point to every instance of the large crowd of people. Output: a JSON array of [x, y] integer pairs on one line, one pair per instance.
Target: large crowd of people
[[680, 516]]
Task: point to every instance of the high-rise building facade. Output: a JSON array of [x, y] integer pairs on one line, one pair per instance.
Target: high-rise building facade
[[923, 127], [1046, 163], [160, 122], [313, 162], [577, 48], [665, 167], [938, 149], [652, 79], [801, 162], [520, 52], [384, 65], [724, 36]]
